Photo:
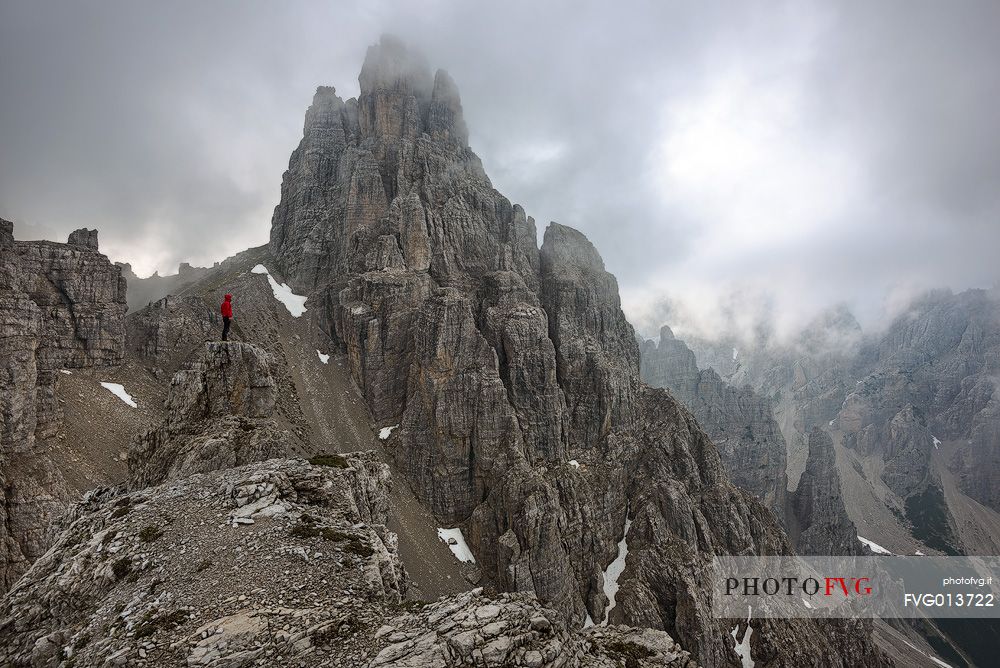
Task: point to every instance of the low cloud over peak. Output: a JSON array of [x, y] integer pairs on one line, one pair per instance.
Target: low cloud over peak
[[722, 158]]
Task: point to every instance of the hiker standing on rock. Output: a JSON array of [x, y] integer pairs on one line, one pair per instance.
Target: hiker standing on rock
[[227, 316]]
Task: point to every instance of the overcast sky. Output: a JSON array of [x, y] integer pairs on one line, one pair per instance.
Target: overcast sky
[[718, 154]]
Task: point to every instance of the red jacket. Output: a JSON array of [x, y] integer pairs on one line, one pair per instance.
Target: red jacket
[[227, 307]]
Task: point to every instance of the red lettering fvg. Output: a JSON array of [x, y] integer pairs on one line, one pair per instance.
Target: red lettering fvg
[[847, 585]]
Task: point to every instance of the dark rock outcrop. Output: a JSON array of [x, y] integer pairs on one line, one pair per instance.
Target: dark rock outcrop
[[61, 307], [217, 417], [6, 233], [83, 237], [818, 521], [511, 371]]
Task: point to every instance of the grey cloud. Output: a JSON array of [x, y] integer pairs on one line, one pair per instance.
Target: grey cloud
[[168, 128]]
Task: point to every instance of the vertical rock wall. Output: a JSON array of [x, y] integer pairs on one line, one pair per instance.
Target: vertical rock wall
[[62, 306]]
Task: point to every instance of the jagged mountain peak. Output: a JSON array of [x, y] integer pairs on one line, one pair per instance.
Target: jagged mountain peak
[[511, 371], [392, 65]]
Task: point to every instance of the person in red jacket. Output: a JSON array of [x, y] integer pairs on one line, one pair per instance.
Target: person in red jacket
[[227, 316]]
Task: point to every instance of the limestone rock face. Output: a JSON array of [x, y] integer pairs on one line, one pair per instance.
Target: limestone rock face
[[165, 333], [932, 375], [61, 307], [819, 523], [81, 299], [978, 464], [806, 377], [83, 237], [904, 442], [512, 371], [304, 548], [514, 630], [6, 233], [596, 352], [926, 387], [217, 417], [230, 379], [739, 421], [125, 585]]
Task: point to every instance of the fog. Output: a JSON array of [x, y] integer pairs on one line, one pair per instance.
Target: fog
[[733, 162]]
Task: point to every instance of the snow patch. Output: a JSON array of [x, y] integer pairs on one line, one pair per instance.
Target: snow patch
[[325, 359], [385, 432], [575, 464], [875, 547], [736, 354], [296, 304], [830, 423], [457, 545], [614, 571], [918, 553], [937, 442], [119, 391], [932, 658], [66, 371], [742, 646], [807, 603]]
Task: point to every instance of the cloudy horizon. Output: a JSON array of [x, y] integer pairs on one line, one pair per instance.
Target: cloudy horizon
[[769, 159]]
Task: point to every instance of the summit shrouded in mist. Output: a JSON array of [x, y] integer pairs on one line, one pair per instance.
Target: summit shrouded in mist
[[510, 370]]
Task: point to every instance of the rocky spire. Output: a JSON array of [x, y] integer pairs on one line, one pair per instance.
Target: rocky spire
[[444, 117], [511, 371], [671, 364], [819, 521], [393, 67]]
